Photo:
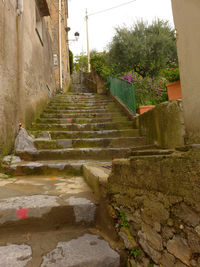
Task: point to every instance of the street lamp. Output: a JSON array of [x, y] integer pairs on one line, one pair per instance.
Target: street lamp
[[76, 34]]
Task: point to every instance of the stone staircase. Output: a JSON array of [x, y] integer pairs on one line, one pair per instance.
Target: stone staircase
[[48, 214]]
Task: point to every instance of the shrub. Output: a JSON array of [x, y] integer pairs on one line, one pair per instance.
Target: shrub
[[148, 91], [171, 74]]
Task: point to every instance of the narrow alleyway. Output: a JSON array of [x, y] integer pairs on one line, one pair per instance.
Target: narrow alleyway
[[47, 209]]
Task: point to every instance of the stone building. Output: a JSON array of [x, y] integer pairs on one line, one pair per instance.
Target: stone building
[[187, 23], [29, 61]]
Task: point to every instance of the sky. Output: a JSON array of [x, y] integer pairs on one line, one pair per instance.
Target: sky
[[102, 26]]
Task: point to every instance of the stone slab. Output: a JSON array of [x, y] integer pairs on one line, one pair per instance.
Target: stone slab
[[15, 255], [68, 198], [88, 250], [96, 175]]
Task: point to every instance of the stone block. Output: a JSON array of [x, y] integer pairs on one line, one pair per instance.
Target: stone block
[[167, 260], [152, 253], [180, 249], [129, 240], [153, 238]]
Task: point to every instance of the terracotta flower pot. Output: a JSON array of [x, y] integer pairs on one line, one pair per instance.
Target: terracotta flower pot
[[142, 109], [174, 90]]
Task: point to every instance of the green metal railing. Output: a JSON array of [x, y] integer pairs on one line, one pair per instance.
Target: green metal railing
[[124, 91]]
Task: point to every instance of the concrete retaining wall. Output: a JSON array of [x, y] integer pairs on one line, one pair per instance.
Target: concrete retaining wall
[[163, 125]]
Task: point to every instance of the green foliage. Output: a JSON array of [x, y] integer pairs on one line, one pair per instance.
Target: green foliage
[[135, 253], [81, 62], [144, 48], [124, 223], [148, 91], [71, 61], [151, 265], [98, 63], [171, 74]]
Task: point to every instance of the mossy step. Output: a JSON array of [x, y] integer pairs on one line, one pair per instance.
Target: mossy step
[[90, 142], [82, 115], [82, 110], [78, 101], [89, 103], [48, 206], [151, 152], [81, 120], [75, 106], [85, 134], [74, 154], [84, 127], [55, 167]]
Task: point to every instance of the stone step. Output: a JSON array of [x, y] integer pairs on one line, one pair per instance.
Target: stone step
[[88, 104], [90, 142], [50, 167], [75, 106], [151, 152], [83, 110], [81, 120], [67, 247], [46, 202], [81, 115], [78, 102], [85, 134], [84, 127], [74, 153]]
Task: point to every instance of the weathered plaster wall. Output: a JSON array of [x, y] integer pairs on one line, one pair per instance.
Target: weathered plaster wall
[[187, 23], [155, 202], [163, 125], [53, 25], [26, 68]]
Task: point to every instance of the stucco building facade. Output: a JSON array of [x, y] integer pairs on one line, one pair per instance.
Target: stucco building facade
[[187, 23], [29, 41]]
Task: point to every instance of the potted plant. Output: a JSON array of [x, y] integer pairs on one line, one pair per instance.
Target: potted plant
[[173, 85]]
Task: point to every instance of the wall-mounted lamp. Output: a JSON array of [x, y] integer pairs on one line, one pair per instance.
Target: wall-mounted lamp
[[76, 37]]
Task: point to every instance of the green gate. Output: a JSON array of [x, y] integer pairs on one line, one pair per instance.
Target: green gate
[[124, 91]]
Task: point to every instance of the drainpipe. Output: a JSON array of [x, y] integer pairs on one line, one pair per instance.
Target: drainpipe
[[60, 43], [20, 63]]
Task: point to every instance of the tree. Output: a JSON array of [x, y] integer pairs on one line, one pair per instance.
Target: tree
[[71, 61], [143, 48], [81, 62]]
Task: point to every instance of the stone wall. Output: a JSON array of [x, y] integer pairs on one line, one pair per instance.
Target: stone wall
[[26, 69], [95, 83], [155, 202], [163, 125]]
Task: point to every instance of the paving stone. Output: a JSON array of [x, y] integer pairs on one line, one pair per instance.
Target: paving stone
[[88, 250], [15, 255]]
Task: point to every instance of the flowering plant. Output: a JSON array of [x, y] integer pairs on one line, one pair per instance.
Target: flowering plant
[[171, 74], [148, 91]]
